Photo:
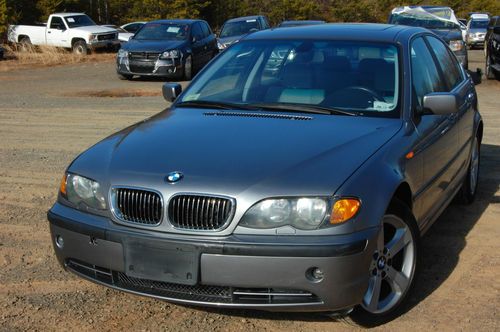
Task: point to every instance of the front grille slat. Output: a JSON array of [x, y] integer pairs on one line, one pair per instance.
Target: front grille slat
[[138, 206], [198, 212]]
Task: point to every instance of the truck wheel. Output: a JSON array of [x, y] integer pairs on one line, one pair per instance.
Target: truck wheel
[[80, 48], [125, 77], [25, 45]]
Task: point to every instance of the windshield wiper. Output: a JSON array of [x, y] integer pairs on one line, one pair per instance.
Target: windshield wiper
[[215, 104], [304, 108]]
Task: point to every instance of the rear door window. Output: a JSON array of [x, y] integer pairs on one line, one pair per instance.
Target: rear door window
[[56, 23], [448, 63]]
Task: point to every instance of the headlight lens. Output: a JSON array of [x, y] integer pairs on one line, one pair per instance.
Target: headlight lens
[[170, 54], [456, 45], [81, 190], [122, 53], [92, 37], [301, 213]]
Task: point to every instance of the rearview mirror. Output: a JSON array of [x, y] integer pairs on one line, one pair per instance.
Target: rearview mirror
[[477, 76], [440, 103], [171, 91]]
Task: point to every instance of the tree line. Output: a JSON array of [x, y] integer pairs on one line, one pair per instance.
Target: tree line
[[217, 11]]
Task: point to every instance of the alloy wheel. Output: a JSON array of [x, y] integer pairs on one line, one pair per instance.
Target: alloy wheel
[[392, 267]]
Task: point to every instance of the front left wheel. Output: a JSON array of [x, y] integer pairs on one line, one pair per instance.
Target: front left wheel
[[393, 267]]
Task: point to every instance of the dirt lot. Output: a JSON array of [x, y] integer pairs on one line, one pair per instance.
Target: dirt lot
[[44, 125]]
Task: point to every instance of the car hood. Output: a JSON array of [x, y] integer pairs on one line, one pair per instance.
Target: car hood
[[237, 153], [447, 34], [96, 29], [135, 45], [125, 36]]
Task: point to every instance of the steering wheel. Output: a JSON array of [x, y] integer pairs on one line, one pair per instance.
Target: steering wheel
[[376, 96]]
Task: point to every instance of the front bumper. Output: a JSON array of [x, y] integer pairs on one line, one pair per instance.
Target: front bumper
[[236, 271], [104, 43], [170, 68]]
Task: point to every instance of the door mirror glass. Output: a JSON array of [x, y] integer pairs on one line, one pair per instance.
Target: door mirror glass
[[440, 103], [171, 91]]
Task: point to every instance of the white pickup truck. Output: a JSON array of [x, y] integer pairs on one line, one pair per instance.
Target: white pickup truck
[[76, 31]]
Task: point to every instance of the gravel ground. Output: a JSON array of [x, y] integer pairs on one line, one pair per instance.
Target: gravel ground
[[43, 126]]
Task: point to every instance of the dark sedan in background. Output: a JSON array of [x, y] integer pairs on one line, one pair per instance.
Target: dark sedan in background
[[236, 28], [299, 187], [167, 48]]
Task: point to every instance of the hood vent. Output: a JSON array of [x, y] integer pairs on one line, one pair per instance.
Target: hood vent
[[260, 115]]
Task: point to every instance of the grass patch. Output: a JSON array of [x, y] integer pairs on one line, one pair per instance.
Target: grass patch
[[46, 56]]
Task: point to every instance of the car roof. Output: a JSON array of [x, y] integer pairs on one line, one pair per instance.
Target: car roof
[[184, 21], [337, 31], [243, 18], [68, 14]]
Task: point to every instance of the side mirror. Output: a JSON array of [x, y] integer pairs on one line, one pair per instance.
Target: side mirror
[[131, 37], [440, 103], [477, 76], [171, 91]]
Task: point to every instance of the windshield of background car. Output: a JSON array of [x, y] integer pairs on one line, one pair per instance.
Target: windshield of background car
[[163, 31], [479, 24], [356, 76], [78, 21], [239, 28], [422, 20]]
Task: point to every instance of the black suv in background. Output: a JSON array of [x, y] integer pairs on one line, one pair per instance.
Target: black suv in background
[[234, 29], [167, 48], [492, 48]]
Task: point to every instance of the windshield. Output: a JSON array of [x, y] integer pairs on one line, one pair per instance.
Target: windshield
[[479, 24], [422, 20], [163, 31], [352, 76], [78, 21], [239, 28]]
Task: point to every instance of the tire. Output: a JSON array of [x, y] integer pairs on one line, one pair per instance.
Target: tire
[[393, 268], [124, 77], [188, 68], [488, 71], [467, 193], [25, 45], [80, 48]]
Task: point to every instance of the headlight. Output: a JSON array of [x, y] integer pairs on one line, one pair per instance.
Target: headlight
[[81, 190], [92, 38], [472, 34], [301, 213], [122, 53], [170, 54], [456, 45]]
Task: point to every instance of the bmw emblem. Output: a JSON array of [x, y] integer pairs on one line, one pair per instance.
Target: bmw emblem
[[174, 177]]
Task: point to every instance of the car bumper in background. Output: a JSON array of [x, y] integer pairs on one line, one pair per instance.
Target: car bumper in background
[[104, 44], [161, 68], [221, 272]]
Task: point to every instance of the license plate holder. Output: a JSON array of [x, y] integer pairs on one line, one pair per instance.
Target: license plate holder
[[159, 261]]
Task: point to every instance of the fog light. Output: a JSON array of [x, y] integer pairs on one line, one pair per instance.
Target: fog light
[[315, 274], [59, 241]]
